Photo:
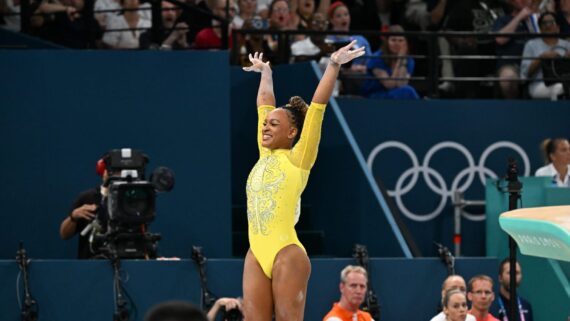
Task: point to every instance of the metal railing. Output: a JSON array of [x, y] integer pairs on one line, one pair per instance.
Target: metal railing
[[430, 59]]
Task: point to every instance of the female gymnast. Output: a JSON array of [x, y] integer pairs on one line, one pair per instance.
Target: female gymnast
[[277, 268]]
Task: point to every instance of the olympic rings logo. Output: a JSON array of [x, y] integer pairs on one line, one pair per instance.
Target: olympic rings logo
[[434, 179]]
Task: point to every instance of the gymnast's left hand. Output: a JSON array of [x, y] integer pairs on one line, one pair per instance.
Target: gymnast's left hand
[[257, 63], [346, 54]]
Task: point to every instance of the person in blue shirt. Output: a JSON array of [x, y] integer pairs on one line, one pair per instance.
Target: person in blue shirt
[[392, 69]]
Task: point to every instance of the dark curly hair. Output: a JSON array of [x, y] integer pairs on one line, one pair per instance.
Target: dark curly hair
[[296, 110]]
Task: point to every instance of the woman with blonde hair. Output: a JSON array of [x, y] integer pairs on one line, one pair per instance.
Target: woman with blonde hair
[[455, 305]]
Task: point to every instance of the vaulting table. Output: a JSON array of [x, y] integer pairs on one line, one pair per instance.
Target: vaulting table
[[540, 231]]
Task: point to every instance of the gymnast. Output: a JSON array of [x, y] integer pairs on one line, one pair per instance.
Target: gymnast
[[277, 268]]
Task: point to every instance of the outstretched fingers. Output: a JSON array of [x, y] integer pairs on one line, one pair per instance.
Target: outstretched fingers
[[346, 54], [257, 63], [350, 45], [359, 52], [257, 57]]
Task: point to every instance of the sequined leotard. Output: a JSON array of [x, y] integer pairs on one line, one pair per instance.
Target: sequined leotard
[[274, 188]]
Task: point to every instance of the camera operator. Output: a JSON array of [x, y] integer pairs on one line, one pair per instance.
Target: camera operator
[[85, 209], [232, 310], [113, 219]]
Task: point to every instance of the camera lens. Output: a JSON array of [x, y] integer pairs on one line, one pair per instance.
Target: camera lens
[[135, 200]]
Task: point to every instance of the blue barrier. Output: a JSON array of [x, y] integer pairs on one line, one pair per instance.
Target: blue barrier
[[83, 290]]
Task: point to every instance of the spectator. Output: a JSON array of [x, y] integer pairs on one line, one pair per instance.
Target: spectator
[[280, 15], [175, 311], [302, 12], [68, 26], [471, 16], [172, 36], [211, 37], [455, 305], [339, 17], [225, 305], [392, 67], [129, 19], [353, 286], [9, 14], [431, 15], [196, 19], [520, 20], [247, 9], [279, 20], [539, 49], [104, 17], [557, 155], [452, 282], [10, 9], [503, 300], [313, 47], [481, 296]]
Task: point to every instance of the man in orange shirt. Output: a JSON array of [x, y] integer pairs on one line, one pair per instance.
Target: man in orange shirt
[[353, 286], [481, 296]]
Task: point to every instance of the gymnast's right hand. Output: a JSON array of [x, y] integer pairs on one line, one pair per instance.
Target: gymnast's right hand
[[257, 63]]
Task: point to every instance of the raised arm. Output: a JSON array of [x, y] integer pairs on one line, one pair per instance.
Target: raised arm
[[326, 85], [265, 94], [511, 27]]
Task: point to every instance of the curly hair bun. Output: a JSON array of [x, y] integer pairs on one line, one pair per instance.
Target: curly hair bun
[[298, 104]]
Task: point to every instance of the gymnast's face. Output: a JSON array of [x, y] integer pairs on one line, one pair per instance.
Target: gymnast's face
[[278, 132]]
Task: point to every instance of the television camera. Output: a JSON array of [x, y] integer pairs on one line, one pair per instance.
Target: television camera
[[120, 229]]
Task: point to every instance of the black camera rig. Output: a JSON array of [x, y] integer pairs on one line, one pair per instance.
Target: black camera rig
[[121, 226]]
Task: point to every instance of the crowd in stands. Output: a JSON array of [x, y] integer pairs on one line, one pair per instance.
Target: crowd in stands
[[395, 66]]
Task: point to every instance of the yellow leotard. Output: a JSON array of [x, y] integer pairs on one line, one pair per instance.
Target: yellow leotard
[[274, 188]]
